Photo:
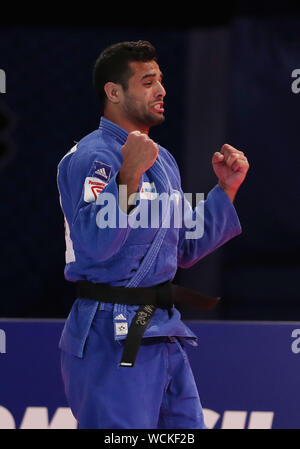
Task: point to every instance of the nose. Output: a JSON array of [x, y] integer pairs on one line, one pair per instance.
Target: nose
[[161, 92]]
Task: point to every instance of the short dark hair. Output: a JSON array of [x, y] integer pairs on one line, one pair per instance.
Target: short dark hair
[[113, 64]]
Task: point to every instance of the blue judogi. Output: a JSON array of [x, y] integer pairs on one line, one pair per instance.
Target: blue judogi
[[92, 339]]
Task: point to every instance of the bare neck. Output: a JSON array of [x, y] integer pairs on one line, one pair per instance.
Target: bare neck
[[124, 122]]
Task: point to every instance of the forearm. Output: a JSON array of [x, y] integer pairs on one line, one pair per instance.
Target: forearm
[[220, 223], [231, 193], [132, 183]]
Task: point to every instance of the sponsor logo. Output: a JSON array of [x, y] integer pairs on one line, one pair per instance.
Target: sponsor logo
[[120, 317], [38, 418], [238, 419], [102, 171], [62, 418], [121, 328], [92, 188]]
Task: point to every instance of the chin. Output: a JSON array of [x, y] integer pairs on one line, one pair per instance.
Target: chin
[[157, 120]]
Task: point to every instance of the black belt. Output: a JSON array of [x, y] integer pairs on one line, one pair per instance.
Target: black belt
[[163, 296]]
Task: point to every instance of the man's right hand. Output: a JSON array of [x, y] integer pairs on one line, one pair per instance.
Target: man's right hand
[[139, 154]]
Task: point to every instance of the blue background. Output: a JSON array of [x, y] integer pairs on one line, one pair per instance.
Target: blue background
[[228, 79], [238, 366]]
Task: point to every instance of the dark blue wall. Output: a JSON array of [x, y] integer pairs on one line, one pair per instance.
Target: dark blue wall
[[261, 269], [50, 96]]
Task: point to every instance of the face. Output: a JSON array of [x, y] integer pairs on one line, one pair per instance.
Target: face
[[142, 101]]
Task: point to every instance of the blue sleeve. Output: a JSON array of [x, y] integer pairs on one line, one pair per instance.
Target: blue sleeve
[[217, 222], [87, 217]]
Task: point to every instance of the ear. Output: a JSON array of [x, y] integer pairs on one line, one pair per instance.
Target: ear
[[112, 91]]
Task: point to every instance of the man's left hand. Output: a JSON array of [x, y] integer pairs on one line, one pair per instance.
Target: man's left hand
[[230, 166]]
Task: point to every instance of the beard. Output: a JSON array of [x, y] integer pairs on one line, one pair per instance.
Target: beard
[[139, 114]]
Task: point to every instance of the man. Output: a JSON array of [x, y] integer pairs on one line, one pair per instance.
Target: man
[[123, 360]]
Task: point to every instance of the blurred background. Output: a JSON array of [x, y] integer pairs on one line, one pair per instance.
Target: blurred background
[[228, 76]]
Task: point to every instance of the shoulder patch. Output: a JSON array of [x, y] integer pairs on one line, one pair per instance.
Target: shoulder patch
[[102, 171], [92, 188]]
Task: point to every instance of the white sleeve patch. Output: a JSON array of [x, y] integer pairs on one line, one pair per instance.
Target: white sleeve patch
[[92, 188]]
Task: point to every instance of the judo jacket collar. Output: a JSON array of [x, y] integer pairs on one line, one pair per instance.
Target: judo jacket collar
[[113, 130]]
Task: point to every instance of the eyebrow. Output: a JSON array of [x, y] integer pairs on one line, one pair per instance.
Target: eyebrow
[[151, 75]]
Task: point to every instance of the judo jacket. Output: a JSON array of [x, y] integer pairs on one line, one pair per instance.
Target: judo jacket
[[105, 245]]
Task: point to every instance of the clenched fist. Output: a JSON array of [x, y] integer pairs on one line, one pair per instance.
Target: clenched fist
[[230, 166], [139, 154]]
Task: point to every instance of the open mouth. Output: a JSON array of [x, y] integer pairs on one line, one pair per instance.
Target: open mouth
[[158, 107]]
